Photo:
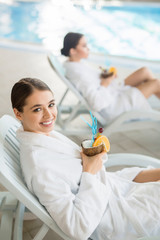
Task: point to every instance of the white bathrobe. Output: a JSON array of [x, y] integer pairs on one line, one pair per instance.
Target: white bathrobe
[[111, 101], [105, 206]]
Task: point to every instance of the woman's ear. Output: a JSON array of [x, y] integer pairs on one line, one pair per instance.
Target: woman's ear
[[17, 114], [72, 52]]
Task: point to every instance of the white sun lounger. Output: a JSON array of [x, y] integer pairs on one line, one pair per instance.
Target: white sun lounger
[[66, 113], [14, 202]]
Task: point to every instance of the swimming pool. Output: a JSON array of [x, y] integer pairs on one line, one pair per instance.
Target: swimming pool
[[117, 30]]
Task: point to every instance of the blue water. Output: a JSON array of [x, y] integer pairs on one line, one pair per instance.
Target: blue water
[[19, 22], [124, 31]]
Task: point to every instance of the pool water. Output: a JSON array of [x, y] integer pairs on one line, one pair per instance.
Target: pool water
[[19, 22], [123, 31]]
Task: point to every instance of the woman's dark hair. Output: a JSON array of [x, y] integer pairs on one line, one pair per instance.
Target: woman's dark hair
[[70, 41], [23, 89]]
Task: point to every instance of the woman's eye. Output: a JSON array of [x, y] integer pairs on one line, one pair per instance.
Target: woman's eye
[[36, 110], [51, 105]]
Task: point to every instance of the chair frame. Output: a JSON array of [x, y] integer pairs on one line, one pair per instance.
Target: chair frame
[[14, 202]]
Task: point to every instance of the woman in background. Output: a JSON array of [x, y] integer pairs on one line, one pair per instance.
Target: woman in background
[[104, 94], [80, 195]]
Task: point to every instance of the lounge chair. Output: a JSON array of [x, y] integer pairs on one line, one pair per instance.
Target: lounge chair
[[66, 113], [19, 197]]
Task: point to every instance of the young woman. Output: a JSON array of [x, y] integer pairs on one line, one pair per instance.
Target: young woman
[[105, 95], [81, 196]]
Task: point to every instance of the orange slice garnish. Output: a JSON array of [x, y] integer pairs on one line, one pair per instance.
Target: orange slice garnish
[[102, 140], [112, 69]]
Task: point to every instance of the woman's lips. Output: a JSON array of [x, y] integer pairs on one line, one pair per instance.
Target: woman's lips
[[47, 123]]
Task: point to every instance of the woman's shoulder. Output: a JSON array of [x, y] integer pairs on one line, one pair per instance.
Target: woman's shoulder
[[76, 70], [74, 65], [30, 141], [26, 136]]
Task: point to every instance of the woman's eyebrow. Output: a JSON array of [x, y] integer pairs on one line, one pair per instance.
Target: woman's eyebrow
[[38, 105], [53, 100]]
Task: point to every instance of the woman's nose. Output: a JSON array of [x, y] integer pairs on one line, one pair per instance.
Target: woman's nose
[[46, 113]]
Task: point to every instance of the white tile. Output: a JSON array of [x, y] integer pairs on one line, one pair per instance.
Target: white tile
[[2, 189], [52, 236], [32, 227], [26, 236], [32, 224]]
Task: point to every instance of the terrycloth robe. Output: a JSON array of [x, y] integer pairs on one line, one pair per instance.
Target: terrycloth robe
[[105, 206], [109, 101]]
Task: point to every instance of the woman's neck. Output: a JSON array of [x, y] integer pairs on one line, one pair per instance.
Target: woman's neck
[[74, 59]]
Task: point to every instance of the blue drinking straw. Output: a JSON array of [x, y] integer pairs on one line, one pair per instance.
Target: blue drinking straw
[[93, 127]]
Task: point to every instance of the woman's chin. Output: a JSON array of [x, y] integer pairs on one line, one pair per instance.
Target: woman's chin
[[47, 128]]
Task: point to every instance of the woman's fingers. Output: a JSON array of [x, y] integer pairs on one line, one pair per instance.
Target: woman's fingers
[[92, 164]]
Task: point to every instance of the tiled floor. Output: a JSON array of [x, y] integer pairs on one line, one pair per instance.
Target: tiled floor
[[31, 228], [16, 64]]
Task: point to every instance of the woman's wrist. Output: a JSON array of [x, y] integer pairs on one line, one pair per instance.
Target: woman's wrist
[[89, 171], [105, 82]]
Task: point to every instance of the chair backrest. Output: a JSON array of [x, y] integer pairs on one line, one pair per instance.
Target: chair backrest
[[11, 176], [58, 67], [56, 64]]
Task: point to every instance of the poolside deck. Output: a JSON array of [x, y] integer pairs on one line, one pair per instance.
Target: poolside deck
[[16, 64]]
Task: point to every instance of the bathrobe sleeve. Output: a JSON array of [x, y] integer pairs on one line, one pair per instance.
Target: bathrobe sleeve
[[97, 96], [77, 214]]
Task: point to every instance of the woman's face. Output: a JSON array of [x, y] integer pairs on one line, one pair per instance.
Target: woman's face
[[39, 114], [81, 50]]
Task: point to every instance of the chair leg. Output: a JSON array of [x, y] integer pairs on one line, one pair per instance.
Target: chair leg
[[18, 224], [42, 232], [6, 225], [8, 205]]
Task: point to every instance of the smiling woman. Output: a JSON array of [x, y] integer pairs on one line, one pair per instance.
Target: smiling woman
[[33, 104]]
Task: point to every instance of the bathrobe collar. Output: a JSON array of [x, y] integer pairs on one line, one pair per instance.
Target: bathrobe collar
[[55, 142]]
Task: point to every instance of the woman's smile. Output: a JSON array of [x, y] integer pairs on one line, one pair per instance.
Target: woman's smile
[[47, 123]]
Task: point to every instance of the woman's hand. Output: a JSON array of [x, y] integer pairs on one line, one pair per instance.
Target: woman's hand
[[105, 82], [92, 164]]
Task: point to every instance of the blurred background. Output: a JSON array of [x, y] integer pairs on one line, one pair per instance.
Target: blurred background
[[120, 28]]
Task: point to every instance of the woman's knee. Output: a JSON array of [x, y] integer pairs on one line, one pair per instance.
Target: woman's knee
[[148, 75], [144, 69], [156, 82]]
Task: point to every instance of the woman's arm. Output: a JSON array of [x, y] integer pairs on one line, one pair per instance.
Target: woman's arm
[[105, 82], [148, 175], [92, 164], [98, 97]]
